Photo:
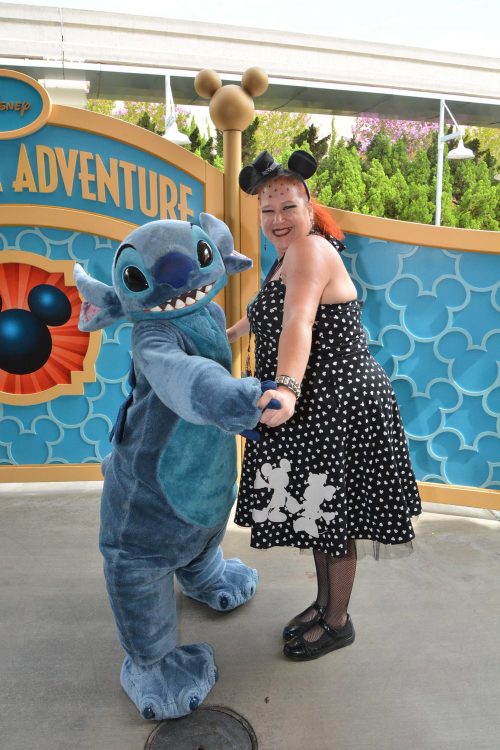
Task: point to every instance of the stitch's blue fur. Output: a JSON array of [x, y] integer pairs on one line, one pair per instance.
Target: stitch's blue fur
[[170, 480]]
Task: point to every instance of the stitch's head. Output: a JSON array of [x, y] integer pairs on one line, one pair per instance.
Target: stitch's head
[[164, 269]]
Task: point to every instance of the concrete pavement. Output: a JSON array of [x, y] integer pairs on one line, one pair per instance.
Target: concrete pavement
[[423, 673]]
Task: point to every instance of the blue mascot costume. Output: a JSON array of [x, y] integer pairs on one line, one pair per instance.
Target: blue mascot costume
[[169, 482]]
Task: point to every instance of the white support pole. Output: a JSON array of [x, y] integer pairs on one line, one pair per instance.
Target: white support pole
[[168, 102], [440, 161]]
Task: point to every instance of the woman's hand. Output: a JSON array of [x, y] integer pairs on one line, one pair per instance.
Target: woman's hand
[[277, 417], [239, 329]]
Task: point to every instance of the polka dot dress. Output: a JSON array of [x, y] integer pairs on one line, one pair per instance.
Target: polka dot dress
[[339, 469]]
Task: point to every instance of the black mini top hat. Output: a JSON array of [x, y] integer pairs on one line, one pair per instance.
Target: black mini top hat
[[300, 165]]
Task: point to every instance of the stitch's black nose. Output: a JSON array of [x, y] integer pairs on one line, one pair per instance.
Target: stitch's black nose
[[173, 269]]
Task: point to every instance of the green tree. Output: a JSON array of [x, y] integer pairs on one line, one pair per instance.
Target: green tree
[[340, 181], [132, 112], [146, 122], [464, 174], [479, 203], [400, 156], [380, 148], [101, 106], [398, 196], [317, 146], [378, 189], [248, 142], [489, 140], [277, 131], [419, 208]]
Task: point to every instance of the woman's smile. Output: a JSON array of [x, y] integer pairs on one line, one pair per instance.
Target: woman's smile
[[285, 212]]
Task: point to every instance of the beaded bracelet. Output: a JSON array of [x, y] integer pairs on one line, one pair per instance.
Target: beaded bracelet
[[290, 383]]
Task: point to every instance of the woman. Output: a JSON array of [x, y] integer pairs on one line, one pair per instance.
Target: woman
[[331, 465]]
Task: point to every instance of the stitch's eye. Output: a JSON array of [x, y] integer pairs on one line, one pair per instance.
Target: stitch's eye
[[134, 279], [205, 254]]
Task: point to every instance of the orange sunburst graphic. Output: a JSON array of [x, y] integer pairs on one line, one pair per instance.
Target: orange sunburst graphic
[[66, 345]]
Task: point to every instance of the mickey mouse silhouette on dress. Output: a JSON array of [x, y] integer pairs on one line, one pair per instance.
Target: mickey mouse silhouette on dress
[[25, 340], [275, 478], [308, 512]]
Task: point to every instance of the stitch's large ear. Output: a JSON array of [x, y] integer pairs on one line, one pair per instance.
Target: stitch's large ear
[[220, 234], [100, 307]]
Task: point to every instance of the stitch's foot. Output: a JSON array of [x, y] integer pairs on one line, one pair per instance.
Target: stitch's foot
[[174, 686], [234, 587]]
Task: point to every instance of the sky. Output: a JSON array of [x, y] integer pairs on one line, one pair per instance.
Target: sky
[[469, 28]]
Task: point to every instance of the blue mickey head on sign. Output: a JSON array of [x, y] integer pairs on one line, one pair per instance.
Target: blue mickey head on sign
[[25, 340]]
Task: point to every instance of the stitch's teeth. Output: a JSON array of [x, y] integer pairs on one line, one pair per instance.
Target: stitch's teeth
[[184, 300]]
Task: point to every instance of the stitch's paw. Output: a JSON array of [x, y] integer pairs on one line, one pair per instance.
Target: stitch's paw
[[235, 586], [174, 686]]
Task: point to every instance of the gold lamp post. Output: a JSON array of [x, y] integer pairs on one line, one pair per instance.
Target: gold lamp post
[[232, 109]]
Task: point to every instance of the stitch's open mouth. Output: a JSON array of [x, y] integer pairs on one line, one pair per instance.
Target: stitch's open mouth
[[183, 300]]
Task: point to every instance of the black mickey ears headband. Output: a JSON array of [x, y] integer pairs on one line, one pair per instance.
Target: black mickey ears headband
[[300, 165]]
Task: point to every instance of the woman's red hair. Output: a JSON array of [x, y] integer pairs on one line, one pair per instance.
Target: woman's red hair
[[324, 223]]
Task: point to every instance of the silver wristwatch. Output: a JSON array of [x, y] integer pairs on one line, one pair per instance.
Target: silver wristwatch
[[290, 383]]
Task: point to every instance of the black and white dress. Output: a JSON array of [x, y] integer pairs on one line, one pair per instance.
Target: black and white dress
[[339, 469]]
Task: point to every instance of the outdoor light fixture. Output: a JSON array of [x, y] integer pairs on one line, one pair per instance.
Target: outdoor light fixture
[[172, 132], [460, 152]]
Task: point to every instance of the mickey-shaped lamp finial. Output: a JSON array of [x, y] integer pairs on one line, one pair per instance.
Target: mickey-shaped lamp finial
[[231, 107]]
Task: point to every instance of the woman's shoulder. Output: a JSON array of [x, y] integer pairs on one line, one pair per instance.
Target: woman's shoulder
[[313, 249], [315, 243]]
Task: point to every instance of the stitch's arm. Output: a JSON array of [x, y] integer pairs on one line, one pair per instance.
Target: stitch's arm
[[197, 389]]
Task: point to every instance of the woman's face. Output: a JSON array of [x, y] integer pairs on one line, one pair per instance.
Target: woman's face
[[285, 212]]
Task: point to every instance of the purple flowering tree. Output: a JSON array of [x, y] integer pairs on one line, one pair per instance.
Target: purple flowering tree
[[418, 135]]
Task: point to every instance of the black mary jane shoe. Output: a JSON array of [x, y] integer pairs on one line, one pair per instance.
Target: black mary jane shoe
[[301, 650], [296, 626]]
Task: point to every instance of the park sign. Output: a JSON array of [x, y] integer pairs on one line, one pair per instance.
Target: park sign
[[56, 166], [24, 105], [73, 185]]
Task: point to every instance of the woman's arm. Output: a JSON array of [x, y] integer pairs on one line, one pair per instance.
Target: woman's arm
[[306, 271], [239, 329]]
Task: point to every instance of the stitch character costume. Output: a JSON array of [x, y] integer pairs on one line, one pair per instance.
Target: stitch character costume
[[169, 482]]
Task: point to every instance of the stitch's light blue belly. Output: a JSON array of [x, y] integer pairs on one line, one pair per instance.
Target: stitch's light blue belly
[[197, 471]]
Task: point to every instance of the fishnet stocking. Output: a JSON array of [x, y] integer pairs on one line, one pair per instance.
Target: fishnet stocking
[[340, 576], [320, 561]]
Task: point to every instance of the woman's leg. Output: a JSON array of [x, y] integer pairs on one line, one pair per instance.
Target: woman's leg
[[321, 563], [340, 577], [302, 621]]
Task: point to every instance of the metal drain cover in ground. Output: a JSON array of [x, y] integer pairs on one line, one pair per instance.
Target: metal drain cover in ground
[[208, 728]]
